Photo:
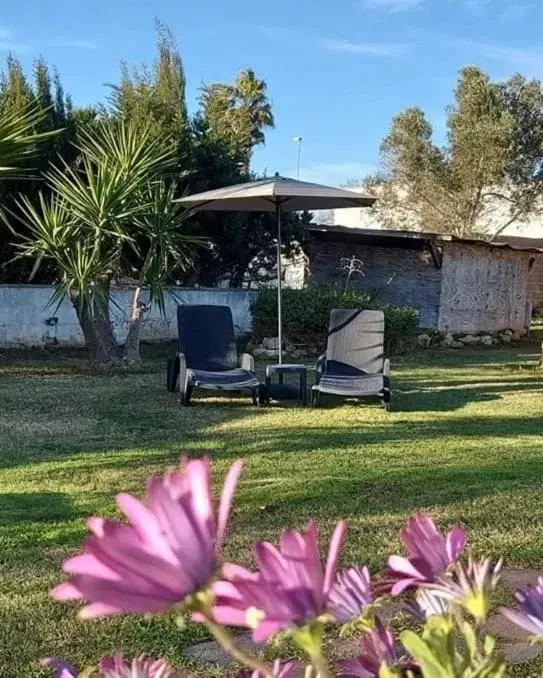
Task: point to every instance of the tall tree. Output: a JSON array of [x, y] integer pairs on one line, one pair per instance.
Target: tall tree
[[238, 114], [154, 97], [108, 217], [230, 123], [16, 93], [486, 177]]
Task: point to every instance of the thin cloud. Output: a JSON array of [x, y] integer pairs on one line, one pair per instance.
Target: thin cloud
[[516, 12], [287, 36], [526, 57], [378, 49], [513, 11], [8, 44], [476, 7], [74, 43], [393, 5]]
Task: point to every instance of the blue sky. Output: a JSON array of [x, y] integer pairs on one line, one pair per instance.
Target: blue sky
[[337, 71]]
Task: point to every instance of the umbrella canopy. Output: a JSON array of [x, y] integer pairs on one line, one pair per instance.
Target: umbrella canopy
[[266, 195], [276, 194]]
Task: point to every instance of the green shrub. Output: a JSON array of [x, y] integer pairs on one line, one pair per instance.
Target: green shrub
[[306, 315]]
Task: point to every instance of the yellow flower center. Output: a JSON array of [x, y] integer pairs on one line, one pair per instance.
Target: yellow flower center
[[253, 617]]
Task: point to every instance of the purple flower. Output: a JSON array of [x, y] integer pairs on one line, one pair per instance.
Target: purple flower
[[142, 667], [469, 587], [290, 589], [377, 648], [279, 670], [63, 670], [117, 667], [350, 595], [427, 603], [529, 616], [429, 553], [169, 550]]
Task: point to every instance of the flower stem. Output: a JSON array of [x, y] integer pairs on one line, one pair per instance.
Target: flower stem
[[227, 642], [320, 665]]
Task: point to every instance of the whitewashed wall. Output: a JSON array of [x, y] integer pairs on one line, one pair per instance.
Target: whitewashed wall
[[24, 314]]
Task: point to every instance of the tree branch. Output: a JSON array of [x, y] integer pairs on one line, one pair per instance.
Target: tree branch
[[495, 194], [507, 223]]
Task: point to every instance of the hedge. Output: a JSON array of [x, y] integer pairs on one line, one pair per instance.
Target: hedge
[[306, 315]]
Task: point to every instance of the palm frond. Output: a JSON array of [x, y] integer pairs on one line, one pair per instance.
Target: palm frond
[[167, 247], [19, 139]]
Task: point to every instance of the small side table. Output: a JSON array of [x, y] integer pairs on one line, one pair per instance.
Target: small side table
[[283, 392]]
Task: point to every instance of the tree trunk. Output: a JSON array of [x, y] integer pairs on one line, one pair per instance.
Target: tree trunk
[[133, 336], [99, 337]]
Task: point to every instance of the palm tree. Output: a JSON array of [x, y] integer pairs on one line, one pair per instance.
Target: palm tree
[[251, 100], [19, 139], [238, 114], [109, 217]]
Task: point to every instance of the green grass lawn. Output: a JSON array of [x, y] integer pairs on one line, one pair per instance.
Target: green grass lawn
[[465, 442]]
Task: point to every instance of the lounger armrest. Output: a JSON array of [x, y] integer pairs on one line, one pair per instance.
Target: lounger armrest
[[321, 366], [248, 362], [386, 367]]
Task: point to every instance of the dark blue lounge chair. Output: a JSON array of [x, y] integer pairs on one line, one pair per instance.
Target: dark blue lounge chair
[[208, 357]]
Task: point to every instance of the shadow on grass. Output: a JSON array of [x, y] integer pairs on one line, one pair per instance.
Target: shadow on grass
[[405, 490], [35, 507], [115, 414], [443, 396], [339, 439]]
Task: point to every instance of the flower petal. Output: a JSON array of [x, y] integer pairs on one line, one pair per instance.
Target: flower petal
[[63, 669], [225, 504], [333, 555], [455, 543], [66, 591], [403, 566]]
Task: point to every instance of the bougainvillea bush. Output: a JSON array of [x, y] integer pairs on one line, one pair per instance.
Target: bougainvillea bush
[[167, 554]]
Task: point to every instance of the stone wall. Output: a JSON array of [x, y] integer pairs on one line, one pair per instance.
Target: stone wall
[[26, 319], [483, 289], [399, 276]]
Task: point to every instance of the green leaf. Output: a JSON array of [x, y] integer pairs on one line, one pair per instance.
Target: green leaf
[[421, 651]]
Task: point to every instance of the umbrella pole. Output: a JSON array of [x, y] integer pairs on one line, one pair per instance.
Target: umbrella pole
[[279, 314]]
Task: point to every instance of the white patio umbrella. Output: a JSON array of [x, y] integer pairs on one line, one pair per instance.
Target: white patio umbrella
[[277, 194]]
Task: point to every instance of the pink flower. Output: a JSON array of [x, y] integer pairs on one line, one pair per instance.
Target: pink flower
[[169, 550], [350, 595], [290, 589], [429, 553], [529, 616], [117, 667], [142, 667], [377, 648], [279, 670], [63, 670]]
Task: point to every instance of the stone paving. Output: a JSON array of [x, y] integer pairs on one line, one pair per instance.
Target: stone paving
[[512, 640]]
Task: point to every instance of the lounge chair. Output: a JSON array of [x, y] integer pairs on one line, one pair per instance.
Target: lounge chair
[[208, 357], [354, 365]]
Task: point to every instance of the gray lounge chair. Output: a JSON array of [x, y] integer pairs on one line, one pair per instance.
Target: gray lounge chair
[[354, 364], [208, 357]]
